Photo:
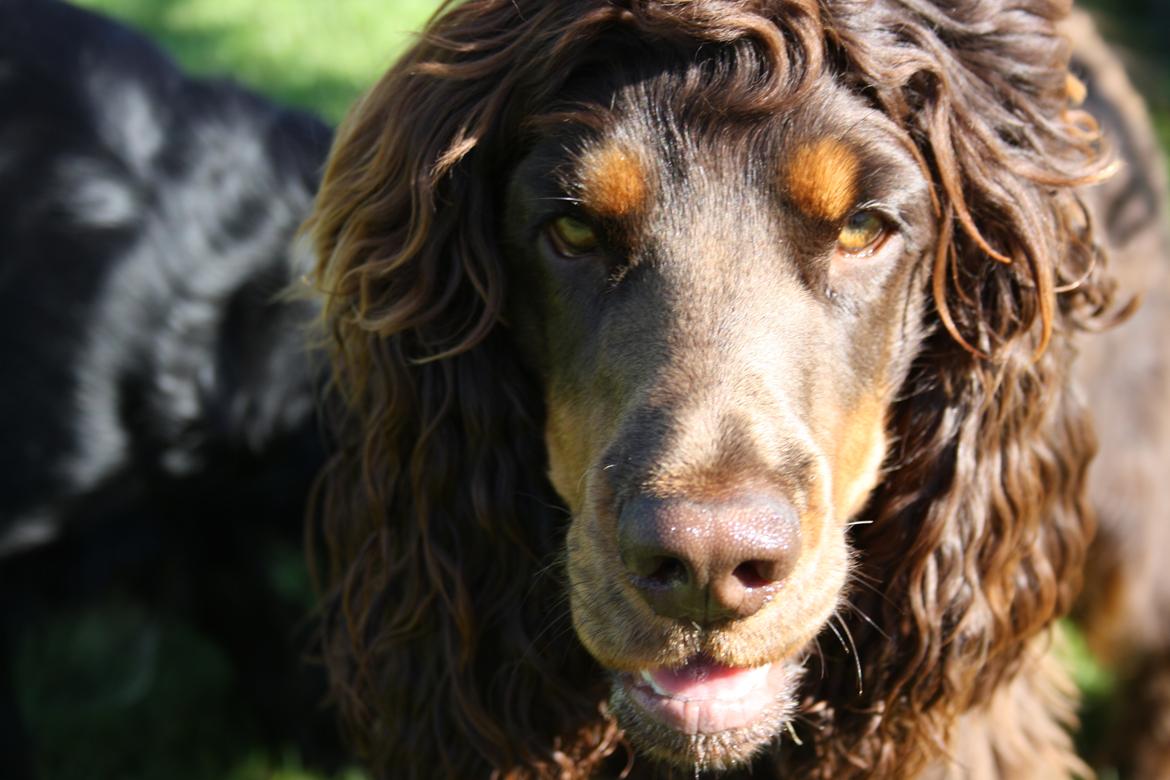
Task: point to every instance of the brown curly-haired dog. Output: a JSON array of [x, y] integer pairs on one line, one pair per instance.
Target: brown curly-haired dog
[[706, 394]]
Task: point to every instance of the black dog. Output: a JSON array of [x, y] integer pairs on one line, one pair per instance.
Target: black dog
[[156, 404]]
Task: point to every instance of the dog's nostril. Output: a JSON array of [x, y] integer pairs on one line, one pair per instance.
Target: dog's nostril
[[668, 571], [756, 574]]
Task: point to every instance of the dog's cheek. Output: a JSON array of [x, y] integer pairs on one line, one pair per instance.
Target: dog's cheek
[[600, 616], [575, 433]]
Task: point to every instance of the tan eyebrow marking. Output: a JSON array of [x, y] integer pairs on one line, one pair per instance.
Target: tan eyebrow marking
[[822, 178], [614, 180]]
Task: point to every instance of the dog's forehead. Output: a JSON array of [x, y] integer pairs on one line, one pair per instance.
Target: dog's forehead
[[815, 151]]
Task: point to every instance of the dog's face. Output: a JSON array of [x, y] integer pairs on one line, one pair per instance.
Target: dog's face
[[722, 311]]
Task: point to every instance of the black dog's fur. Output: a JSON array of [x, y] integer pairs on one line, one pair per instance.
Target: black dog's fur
[[156, 404], [159, 211]]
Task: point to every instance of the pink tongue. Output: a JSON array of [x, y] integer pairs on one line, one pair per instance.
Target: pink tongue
[[701, 679]]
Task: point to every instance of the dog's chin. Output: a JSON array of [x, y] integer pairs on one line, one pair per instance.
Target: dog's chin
[[704, 715]]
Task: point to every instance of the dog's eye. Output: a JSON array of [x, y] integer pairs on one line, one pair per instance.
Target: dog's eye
[[861, 231], [572, 237]]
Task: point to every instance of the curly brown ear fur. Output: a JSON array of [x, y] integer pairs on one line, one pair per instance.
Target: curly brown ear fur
[[445, 660], [440, 629], [980, 528]]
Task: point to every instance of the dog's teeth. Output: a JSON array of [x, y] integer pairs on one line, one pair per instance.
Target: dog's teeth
[[649, 680]]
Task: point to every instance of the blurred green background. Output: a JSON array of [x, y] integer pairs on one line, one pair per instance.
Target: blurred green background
[[113, 690], [313, 53]]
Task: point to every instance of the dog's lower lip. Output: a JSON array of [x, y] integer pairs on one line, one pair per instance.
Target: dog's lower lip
[[703, 697], [701, 680]]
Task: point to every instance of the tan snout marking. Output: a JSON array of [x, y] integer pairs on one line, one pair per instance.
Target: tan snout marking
[[568, 435], [822, 179], [614, 180], [861, 450]]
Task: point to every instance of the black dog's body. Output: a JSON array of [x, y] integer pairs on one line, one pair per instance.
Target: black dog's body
[[160, 212], [156, 401]]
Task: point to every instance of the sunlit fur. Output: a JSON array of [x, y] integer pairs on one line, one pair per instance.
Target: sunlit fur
[[445, 626]]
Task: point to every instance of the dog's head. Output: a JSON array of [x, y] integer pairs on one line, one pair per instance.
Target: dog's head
[[722, 294], [772, 293]]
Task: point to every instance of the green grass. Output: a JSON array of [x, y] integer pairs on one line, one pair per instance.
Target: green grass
[[288, 766], [318, 54], [118, 691]]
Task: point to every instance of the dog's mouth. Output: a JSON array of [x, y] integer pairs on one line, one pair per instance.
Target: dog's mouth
[[705, 714], [704, 697]]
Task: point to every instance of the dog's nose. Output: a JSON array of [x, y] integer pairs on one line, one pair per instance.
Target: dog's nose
[[708, 561]]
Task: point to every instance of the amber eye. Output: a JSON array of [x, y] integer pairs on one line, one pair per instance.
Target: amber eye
[[861, 231], [572, 237]]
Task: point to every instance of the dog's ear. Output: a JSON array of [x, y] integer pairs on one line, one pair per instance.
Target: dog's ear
[[986, 94], [980, 528], [436, 517]]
